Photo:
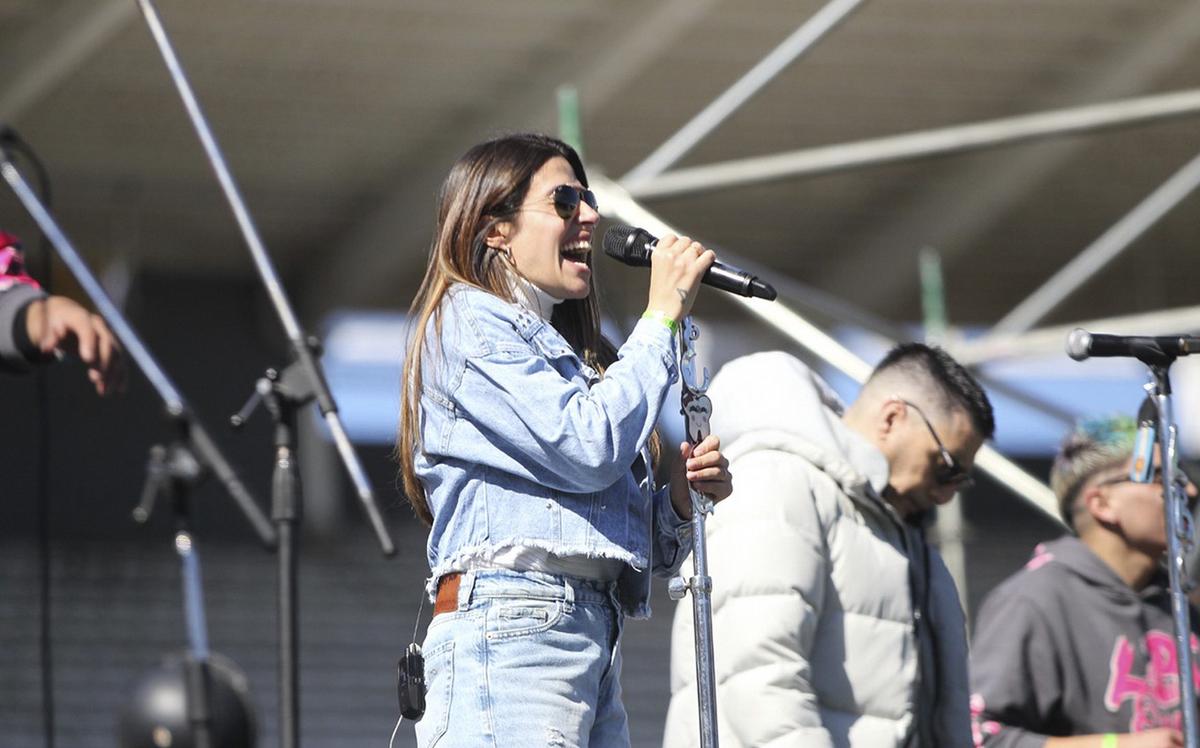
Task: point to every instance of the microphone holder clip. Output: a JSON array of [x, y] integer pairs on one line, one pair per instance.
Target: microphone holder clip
[[277, 391], [171, 471]]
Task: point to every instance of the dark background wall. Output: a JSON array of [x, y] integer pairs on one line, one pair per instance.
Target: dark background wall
[[114, 590]]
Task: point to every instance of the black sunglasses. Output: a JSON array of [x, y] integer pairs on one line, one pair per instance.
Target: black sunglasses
[[949, 472], [566, 200]]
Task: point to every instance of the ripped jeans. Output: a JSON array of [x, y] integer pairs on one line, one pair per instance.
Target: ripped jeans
[[528, 659]]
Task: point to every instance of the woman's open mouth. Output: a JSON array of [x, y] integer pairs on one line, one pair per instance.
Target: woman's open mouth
[[577, 251]]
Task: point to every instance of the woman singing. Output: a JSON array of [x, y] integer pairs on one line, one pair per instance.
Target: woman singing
[[526, 442]]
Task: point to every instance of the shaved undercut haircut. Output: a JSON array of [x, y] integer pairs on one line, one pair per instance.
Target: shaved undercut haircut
[[944, 383]]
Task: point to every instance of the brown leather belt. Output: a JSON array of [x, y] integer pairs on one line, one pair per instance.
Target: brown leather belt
[[447, 593]]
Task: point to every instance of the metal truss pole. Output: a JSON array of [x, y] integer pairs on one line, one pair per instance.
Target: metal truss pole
[[826, 306], [740, 92], [1049, 340], [937, 142], [990, 461], [617, 203], [1101, 252]]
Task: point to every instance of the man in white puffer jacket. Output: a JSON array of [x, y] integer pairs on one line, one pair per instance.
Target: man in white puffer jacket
[[835, 624]]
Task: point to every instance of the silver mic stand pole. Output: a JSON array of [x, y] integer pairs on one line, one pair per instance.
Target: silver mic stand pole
[[1179, 539], [696, 408]]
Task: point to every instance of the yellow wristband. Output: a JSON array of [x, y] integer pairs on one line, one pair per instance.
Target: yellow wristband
[[1109, 740], [671, 324]]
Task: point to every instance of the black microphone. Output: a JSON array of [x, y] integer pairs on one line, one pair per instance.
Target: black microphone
[[1082, 344], [633, 246]]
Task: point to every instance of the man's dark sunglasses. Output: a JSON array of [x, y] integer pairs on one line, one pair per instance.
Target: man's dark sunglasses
[[566, 200], [949, 472]]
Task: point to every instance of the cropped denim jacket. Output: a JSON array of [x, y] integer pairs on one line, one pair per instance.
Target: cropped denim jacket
[[522, 443]]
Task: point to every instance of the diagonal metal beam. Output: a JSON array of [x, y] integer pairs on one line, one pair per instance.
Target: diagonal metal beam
[[801, 40], [936, 142], [989, 460], [1052, 340], [828, 306], [967, 198], [1101, 252], [617, 203]]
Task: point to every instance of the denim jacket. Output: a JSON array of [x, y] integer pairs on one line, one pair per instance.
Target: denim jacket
[[523, 443]]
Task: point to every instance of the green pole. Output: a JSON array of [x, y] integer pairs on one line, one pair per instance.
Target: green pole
[[569, 128], [949, 522], [933, 295]]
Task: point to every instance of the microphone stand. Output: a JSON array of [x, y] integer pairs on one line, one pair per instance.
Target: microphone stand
[[172, 470], [283, 395], [303, 381], [696, 408], [193, 438], [1179, 537]]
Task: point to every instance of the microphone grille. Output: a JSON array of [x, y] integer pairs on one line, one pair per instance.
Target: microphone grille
[[627, 244], [1079, 344]]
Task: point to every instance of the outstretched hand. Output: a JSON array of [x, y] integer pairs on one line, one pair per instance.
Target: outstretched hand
[[706, 469], [57, 325]]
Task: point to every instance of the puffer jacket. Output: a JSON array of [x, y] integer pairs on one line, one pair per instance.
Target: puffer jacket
[[834, 623]]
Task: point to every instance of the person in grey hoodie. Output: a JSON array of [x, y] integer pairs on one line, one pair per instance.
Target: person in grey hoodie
[[1078, 648], [834, 622]]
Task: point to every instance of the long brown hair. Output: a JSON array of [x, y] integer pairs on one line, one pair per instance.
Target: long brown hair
[[485, 187]]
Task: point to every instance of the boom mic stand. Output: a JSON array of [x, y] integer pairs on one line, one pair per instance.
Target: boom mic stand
[[191, 435], [303, 381], [174, 469], [696, 408], [1158, 354]]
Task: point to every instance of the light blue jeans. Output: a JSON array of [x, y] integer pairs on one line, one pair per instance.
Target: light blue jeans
[[528, 659]]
